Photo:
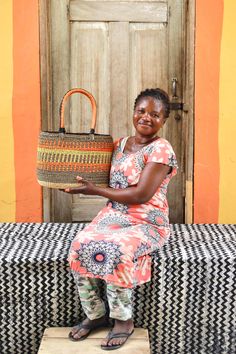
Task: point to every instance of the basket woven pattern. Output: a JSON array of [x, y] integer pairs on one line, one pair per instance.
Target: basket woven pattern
[[63, 156]]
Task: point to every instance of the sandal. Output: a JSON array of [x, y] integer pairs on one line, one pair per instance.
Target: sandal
[[90, 327], [112, 335]]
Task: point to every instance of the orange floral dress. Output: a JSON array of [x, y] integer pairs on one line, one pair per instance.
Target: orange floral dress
[[116, 245]]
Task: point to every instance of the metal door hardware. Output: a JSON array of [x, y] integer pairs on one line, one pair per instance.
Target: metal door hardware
[[174, 88], [176, 106], [179, 106]]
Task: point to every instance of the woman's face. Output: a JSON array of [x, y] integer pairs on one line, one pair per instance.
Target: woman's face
[[149, 116]]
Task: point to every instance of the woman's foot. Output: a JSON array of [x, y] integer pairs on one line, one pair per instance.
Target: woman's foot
[[125, 328], [82, 330]]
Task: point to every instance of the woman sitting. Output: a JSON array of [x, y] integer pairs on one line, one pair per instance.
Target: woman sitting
[[115, 247]]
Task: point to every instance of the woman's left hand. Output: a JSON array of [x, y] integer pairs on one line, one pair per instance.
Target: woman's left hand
[[86, 188]]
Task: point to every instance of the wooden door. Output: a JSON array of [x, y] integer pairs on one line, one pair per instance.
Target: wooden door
[[114, 49]]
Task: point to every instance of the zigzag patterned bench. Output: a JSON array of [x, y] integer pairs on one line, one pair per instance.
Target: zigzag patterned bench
[[188, 307]]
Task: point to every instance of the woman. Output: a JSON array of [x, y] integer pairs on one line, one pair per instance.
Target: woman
[[115, 247]]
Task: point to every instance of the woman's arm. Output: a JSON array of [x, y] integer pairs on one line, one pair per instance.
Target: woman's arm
[[151, 178]]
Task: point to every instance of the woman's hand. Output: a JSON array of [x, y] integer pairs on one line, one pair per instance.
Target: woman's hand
[[87, 187], [151, 178]]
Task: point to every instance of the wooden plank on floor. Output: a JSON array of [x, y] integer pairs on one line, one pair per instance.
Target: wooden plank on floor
[[55, 341]]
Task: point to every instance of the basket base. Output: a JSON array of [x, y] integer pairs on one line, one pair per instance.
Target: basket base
[[64, 185]]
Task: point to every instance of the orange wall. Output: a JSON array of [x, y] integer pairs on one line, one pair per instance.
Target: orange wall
[[215, 124], [207, 72], [26, 108]]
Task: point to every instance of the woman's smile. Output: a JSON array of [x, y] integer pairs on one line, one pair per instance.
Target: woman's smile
[[143, 122]]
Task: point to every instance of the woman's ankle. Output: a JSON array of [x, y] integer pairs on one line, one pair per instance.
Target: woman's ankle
[[97, 319], [123, 325], [129, 320]]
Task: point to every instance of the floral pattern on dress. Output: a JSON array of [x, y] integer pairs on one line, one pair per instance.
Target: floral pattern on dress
[[118, 180], [156, 217], [118, 206], [114, 220], [99, 257], [117, 244], [143, 249]]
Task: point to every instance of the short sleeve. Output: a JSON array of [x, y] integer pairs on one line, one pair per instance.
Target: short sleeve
[[116, 143], [162, 152]]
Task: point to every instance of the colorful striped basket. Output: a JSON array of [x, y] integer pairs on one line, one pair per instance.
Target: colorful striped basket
[[62, 156]]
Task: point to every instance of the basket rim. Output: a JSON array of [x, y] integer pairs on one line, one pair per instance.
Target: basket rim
[[69, 133]]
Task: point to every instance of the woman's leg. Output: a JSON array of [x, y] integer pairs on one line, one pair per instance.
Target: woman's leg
[[120, 305], [120, 302], [92, 305], [91, 302]]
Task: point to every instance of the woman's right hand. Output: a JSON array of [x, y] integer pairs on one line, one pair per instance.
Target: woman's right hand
[[86, 187]]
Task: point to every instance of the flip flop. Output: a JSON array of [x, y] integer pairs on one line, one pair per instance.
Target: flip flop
[[89, 327], [112, 335]]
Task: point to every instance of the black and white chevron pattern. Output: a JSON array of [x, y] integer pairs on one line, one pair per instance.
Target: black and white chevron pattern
[[189, 307]]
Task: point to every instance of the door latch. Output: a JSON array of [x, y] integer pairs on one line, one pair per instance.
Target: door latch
[[176, 106], [174, 88]]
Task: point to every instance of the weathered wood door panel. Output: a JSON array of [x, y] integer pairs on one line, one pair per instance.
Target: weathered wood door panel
[[114, 49]]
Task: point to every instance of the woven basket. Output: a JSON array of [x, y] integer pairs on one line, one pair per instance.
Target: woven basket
[[62, 156]]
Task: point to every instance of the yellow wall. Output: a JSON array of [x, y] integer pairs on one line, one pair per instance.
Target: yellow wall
[[227, 116], [7, 172]]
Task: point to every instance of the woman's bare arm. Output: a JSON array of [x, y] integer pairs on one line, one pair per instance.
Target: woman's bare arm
[[150, 179]]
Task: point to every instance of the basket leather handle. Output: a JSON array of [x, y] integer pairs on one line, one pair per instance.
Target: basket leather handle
[[93, 104]]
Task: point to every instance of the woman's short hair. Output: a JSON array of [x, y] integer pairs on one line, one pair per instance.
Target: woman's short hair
[[159, 95]]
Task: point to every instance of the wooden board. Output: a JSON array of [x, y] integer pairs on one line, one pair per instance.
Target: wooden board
[[55, 341], [110, 11], [85, 207]]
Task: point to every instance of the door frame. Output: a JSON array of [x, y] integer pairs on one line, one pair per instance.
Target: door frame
[[189, 113], [52, 197]]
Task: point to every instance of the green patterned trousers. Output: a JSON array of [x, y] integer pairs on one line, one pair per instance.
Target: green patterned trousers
[[119, 298]]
